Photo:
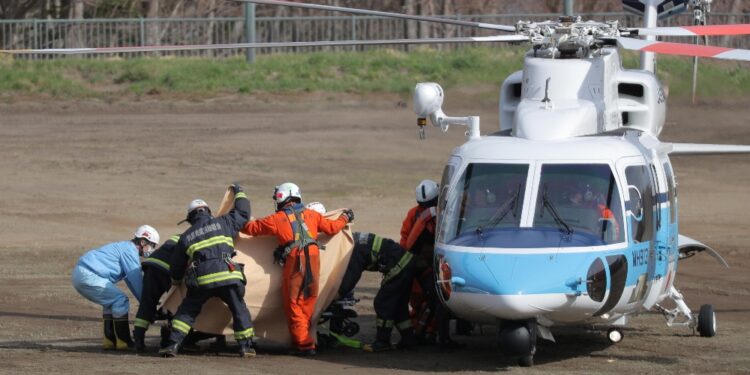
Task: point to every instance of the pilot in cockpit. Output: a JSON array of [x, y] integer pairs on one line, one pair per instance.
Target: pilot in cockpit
[[587, 196]]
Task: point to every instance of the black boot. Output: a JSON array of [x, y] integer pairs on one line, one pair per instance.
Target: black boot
[[139, 338], [170, 351], [109, 332], [164, 332], [247, 348], [408, 339], [382, 340], [122, 332]]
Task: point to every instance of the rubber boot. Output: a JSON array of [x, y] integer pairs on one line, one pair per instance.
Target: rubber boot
[[247, 348], [139, 338], [170, 351], [109, 332], [408, 339], [382, 340], [164, 332], [122, 332]]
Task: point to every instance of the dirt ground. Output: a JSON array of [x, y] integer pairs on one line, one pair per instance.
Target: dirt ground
[[78, 175]]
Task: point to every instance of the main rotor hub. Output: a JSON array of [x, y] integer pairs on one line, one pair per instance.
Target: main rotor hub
[[568, 36]]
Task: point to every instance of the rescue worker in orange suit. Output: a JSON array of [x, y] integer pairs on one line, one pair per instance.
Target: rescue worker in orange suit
[[156, 282], [420, 241], [203, 256], [374, 253], [427, 196], [296, 229]]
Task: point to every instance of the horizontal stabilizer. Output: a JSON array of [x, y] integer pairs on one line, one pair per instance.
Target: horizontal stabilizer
[[707, 149], [689, 247]]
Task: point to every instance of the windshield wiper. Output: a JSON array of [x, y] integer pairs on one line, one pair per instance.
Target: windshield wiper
[[558, 220], [505, 209]]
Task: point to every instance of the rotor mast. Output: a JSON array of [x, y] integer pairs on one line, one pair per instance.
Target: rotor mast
[[650, 16]]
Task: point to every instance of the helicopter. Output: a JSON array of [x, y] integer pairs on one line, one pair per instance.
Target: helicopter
[[568, 213]]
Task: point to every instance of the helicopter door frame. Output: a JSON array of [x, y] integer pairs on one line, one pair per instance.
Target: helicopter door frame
[[640, 252], [662, 235]]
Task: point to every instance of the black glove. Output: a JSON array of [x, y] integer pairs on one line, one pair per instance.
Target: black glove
[[235, 187], [349, 215]]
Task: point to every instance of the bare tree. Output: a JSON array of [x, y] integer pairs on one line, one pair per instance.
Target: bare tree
[[152, 27]]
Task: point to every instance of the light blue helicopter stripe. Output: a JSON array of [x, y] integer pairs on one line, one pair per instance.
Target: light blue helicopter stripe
[[503, 273]]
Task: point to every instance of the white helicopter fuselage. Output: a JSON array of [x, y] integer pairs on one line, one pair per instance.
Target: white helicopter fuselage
[[575, 126], [585, 96], [525, 265]]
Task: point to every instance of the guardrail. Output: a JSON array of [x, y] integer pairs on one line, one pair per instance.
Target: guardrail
[[51, 33]]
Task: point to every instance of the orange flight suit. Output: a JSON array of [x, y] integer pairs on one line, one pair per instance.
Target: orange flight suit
[[411, 218], [299, 309]]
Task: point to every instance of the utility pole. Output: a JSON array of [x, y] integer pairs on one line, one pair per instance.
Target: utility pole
[[250, 31]]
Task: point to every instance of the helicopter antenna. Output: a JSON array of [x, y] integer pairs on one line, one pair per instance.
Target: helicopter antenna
[[547, 102], [701, 8], [480, 25]]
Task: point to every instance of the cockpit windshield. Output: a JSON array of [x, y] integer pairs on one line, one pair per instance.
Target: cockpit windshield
[[581, 199], [487, 197]]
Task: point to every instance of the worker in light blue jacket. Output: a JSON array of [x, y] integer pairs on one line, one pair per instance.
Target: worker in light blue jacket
[[97, 272]]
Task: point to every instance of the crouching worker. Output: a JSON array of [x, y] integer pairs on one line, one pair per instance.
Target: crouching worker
[[296, 229], [203, 256], [374, 253], [156, 281], [97, 272]]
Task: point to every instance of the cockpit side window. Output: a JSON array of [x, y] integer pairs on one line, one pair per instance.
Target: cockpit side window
[[640, 177], [671, 192], [487, 198], [582, 200]]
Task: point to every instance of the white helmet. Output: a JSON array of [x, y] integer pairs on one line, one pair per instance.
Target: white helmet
[[285, 191], [426, 191], [317, 207], [196, 204], [148, 233]]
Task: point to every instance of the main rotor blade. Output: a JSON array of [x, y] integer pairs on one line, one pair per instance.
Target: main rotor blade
[[700, 30], [707, 149], [78, 51], [480, 25], [684, 49]]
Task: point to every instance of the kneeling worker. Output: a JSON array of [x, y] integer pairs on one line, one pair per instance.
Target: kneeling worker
[[156, 282], [203, 256], [97, 272], [375, 253]]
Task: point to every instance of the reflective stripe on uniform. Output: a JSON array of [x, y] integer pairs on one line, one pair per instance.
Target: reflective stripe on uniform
[[219, 276], [157, 262], [198, 246], [174, 238], [406, 324], [383, 323], [395, 270], [180, 326], [246, 334], [240, 195], [376, 243], [141, 323]]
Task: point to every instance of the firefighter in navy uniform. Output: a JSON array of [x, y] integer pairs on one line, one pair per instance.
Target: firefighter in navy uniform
[[203, 256], [156, 281], [375, 253]]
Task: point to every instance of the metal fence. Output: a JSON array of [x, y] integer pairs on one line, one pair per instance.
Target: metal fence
[[34, 33]]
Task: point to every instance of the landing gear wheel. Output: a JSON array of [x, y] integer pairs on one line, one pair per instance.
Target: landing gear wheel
[[526, 361], [351, 329], [707, 321], [614, 335]]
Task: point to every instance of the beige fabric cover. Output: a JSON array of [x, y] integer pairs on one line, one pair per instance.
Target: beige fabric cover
[[263, 289]]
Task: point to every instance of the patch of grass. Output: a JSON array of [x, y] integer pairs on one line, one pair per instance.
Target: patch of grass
[[375, 70]]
